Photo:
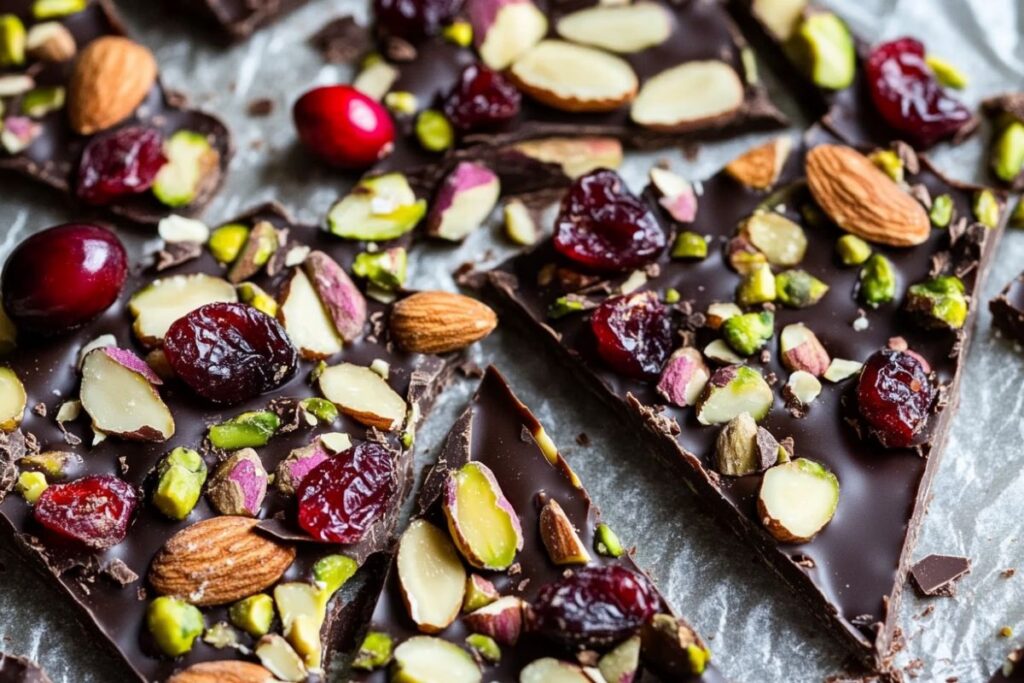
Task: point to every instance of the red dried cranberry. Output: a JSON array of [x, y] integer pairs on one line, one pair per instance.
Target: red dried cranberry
[[343, 496], [894, 396], [594, 607], [228, 353], [909, 97], [481, 99], [124, 162], [604, 227], [94, 511], [343, 126], [634, 333], [413, 20]]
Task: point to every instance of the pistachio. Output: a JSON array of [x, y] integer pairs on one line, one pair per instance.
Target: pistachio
[[39, 102], [986, 208], [50, 41], [672, 296], [12, 40], [621, 663], [433, 131], [757, 287], [941, 213], [239, 485], [824, 49], [690, 245], [221, 635], [53, 464], [946, 74], [174, 624], [735, 452], [797, 500], [1007, 156], [299, 462], [519, 224], [672, 645], [803, 386], [718, 313], [877, 281], [331, 572], [226, 242], [31, 485], [565, 305], [383, 269], [459, 33], [254, 614], [560, 538], [743, 256], [781, 240], [53, 9], [889, 163], [799, 289], [854, 251], [424, 658], [683, 377], [501, 620], [606, 542], [375, 652], [260, 244], [1017, 217], [180, 478], [801, 350], [677, 195], [280, 659], [841, 368], [482, 522], [484, 647], [748, 333], [732, 390], [479, 593], [401, 102], [380, 208], [719, 352], [320, 408], [939, 302], [17, 133], [248, 430]]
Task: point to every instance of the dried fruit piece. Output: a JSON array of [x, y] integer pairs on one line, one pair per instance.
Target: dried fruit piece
[[714, 94], [482, 522], [343, 300], [633, 332], [180, 478], [423, 659], [940, 302], [823, 48], [550, 670], [618, 28], [375, 652], [782, 241], [94, 511], [574, 78], [621, 664], [362, 394], [840, 369], [606, 542], [464, 201], [799, 289], [757, 286], [111, 78], [239, 485], [749, 332], [504, 29], [797, 500], [673, 648], [248, 430], [343, 127], [732, 390], [759, 168], [431, 577], [13, 400], [877, 281], [479, 593], [192, 169], [799, 349], [174, 625], [803, 386], [683, 377], [677, 197], [440, 322], [481, 100], [166, 300], [559, 536], [377, 209], [894, 396], [501, 620], [412, 21], [260, 244], [306, 319], [119, 393], [253, 614], [280, 659]]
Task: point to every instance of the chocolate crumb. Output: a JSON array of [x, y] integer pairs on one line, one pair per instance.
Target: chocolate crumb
[[342, 40], [583, 439], [935, 575], [1008, 573], [263, 106]]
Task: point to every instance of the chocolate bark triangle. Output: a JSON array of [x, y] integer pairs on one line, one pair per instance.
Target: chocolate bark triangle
[[741, 381], [239, 19], [442, 617]]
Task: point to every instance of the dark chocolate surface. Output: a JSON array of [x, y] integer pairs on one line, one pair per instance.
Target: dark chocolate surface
[[15, 669], [1011, 669], [1008, 309], [935, 575], [240, 18], [856, 565]]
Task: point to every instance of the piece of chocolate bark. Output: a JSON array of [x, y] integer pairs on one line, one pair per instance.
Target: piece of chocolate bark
[[1006, 156], [507, 572], [15, 669], [83, 112], [936, 575], [1008, 309], [1011, 670], [801, 374], [239, 19], [229, 440]]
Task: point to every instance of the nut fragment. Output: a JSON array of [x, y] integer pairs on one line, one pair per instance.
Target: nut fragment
[[302, 608], [743, 448], [306, 319], [13, 400], [672, 648], [280, 659], [292, 469], [50, 41], [877, 281], [576, 156], [683, 377], [439, 322], [677, 195], [803, 387], [363, 395], [111, 78], [550, 670], [502, 620], [799, 289], [618, 28], [823, 48], [174, 625], [253, 614], [423, 658], [797, 500], [714, 93], [375, 652], [940, 302], [504, 29], [780, 17], [732, 390], [465, 199], [431, 576], [574, 78], [621, 664], [482, 522], [479, 593], [228, 671], [559, 536], [165, 300], [239, 485], [781, 240], [800, 349], [180, 478], [344, 302], [119, 394], [748, 333], [840, 369], [759, 168]]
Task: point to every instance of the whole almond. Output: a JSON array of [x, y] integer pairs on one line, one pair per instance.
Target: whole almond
[[438, 322], [217, 561], [560, 538], [863, 200], [229, 671], [110, 80]]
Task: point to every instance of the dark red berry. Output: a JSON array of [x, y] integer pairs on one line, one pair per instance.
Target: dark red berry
[[123, 162], [634, 333], [604, 227], [481, 100], [63, 277], [909, 97], [343, 126], [229, 353], [94, 511], [413, 20], [894, 396], [594, 607], [343, 496]]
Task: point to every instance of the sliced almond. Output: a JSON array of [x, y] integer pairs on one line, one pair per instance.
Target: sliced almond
[[576, 156], [759, 168], [119, 394], [431, 576], [306, 320], [228, 671], [559, 536], [439, 322], [688, 96], [165, 300], [574, 78], [363, 395], [279, 657], [618, 28], [112, 77]]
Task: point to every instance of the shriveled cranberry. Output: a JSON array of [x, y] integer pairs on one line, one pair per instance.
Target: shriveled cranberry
[[634, 333], [94, 511], [123, 162], [228, 353], [63, 277], [894, 396], [413, 20], [909, 97], [343, 126], [602, 226], [593, 607], [481, 100], [343, 496]]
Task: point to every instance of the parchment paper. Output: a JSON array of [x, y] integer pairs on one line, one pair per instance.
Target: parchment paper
[[756, 630]]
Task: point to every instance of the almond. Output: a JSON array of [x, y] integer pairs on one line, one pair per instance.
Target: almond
[[438, 322], [688, 96], [110, 80], [217, 561], [560, 538], [759, 168], [573, 77], [863, 200], [229, 671]]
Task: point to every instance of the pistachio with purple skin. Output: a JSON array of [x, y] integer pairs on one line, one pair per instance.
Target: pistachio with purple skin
[[343, 300], [239, 485], [291, 471], [482, 522], [683, 377], [466, 198]]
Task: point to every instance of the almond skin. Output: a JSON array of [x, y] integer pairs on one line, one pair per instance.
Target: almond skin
[[110, 80], [230, 671], [439, 322], [758, 168], [863, 200], [217, 561]]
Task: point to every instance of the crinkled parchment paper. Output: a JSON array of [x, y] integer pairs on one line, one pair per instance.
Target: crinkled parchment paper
[[756, 629]]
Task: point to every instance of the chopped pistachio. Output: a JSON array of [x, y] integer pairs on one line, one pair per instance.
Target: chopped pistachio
[[385, 269], [947, 74], [941, 213], [375, 652], [226, 242], [254, 295], [401, 102], [888, 162], [690, 245], [180, 478], [50, 463], [852, 250], [320, 408], [986, 208], [563, 306], [174, 624], [39, 102], [519, 224], [434, 131], [672, 295], [485, 646], [254, 614], [940, 302], [332, 571], [877, 281], [757, 287], [1008, 152], [459, 32], [748, 333], [841, 368], [799, 289], [12, 40], [749, 61], [248, 430], [606, 542], [221, 635], [823, 48], [52, 9], [31, 485], [781, 240], [699, 657]]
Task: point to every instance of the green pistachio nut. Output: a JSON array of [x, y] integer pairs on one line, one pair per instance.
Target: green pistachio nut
[[53, 9], [1008, 152], [699, 658], [799, 289], [690, 245], [888, 162], [226, 242], [877, 281], [379, 208], [748, 333], [50, 463], [180, 478], [434, 131], [248, 430], [39, 102], [606, 542], [947, 74], [459, 32], [401, 102], [320, 408], [672, 295], [385, 269], [758, 287], [375, 652], [565, 305], [254, 614], [852, 250], [941, 213], [823, 48], [174, 624], [333, 571], [31, 485], [12, 40], [255, 296], [939, 302], [191, 159], [485, 646], [986, 208]]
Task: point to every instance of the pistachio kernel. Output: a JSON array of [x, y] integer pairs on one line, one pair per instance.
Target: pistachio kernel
[[375, 652], [39, 102], [31, 485], [385, 269], [52, 9], [332, 571], [941, 213], [226, 242], [248, 430], [877, 281], [986, 208], [180, 478], [758, 287], [459, 32], [852, 250], [606, 542], [824, 50], [888, 162], [748, 333], [434, 131], [945, 73], [1008, 152], [255, 296], [939, 302], [12, 40], [253, 614], [174, 624], [781, 240], [565, 305], [690, 245], [320, 408], [401, 102], [799, 289], [672, 295], [484, 646]]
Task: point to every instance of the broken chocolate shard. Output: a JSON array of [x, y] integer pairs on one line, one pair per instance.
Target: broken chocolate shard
[[936, 575], [15, 669], [342, 40], [1008, 310], [239, 19]]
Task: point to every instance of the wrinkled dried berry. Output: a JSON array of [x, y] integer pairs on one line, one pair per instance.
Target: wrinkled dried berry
[[94, 511], [909, 97], [634, 333], [343, 496], [481, 99], [602, 226], [894, 396], [593, 607], [120, 163], [413, 20], [228, 353]]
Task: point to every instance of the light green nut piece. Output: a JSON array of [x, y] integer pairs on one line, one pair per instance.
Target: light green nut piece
[[947, 74], [563, 306], [823, 48], [672, 295], [434, 131], [255, 296], [699, 658], [333, 571], [31, 485], [459, 32], [749, 332], [180, 478], [52, 9], [606, 542], [254, 614], [375, 652], [485, 646], [940, 302], [1008, 152], [386, 269], [941, 213], [12, 40], [877, 281], [986, 208], [799, 289], [852, 250], [401, 102], [39, 102], [174, 624], [888, 162], [758, 287], [248, 430], [320, 408], [226, 242], [690, 245]]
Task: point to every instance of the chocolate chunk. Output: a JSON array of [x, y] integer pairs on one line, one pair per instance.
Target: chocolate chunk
[[342, 41], [263, 106], [1012, 668], [15, 669], [1008, 310], [936, 575], [240, 18]]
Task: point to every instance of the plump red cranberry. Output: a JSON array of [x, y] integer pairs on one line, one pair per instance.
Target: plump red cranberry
[[63, 277], [94, 511], [602, 226], [593, 607], [634, 333], [894, 396], [343, 496], [228, 353], [908, 96], [120, 163], [481, 100], [413, 20], [343, 126]]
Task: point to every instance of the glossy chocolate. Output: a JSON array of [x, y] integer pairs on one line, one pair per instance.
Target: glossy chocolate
[[14, 669], [1008, 309], [240, 18]]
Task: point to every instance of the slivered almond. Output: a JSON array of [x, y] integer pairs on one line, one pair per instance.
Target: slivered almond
[[573, 77], [759, 168], [688, 96], [110, 80], [560, 538], [228, 671], [438, 322]]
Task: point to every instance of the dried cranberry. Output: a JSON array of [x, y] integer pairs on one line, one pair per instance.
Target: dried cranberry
[[909, 97], [894, 396], [593, 607], [120, 163], [413, 20], [94, 511], [634, 333], [481, 99], [604, 227], [343, 496], [228, 353]]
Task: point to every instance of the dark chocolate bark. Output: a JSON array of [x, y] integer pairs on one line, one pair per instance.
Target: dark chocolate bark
[[936, 575], [500, 432], [1008, 309], [15, 669], [240, 18], [1004, 110], [109, 588], [852, 574], [53, 158], [1011, 670]]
